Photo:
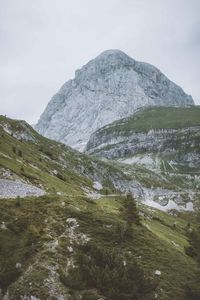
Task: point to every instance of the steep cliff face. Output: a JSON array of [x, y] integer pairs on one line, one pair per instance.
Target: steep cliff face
[[177, 143], [173, 132], [108, 88]]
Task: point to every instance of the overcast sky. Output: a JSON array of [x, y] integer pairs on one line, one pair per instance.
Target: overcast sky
[[43, 42]]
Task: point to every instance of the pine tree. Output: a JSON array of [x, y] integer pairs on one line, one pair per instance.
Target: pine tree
[[131, 214]]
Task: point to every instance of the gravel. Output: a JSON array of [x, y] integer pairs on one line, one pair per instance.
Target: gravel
[[12, 189]]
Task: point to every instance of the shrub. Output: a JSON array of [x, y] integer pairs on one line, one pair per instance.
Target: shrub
[[131, 215], [14, 149], [20, 153], [19, 225], [104, 270], [192, 291], [33, 234], [9, 275], [107, 191], [60, 176], [90, 295], [18, 202], [190, 251], [130, 211]]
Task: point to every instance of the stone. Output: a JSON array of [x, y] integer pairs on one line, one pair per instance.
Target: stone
[[107, 88]]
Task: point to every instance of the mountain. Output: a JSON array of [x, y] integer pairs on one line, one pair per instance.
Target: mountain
[[108, 88], [52, 167], [42, 162], [163, 140], [156, 130], [68, 231]]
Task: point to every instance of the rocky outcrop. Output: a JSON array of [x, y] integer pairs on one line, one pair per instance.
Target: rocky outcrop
[[182, 144], [161, 142], [151, 134]]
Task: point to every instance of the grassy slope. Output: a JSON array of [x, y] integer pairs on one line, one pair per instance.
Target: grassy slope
[[37, 162], [156, 118], [39, 159], [36, 221], [33, 224]]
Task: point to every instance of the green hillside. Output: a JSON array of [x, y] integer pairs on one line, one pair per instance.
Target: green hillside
[[46, 163], [67, 245], [156, 118], [38, 238]]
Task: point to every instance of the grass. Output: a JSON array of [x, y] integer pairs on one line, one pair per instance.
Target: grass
[[170, 156], [56, 167], [31, 226], [28, 231], [155, 118]]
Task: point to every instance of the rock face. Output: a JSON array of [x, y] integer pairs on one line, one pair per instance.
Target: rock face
[[173, 133], [161, 141], [108, 88], [179, 143]]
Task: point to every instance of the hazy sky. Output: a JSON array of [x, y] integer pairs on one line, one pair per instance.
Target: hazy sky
[[43, 42]]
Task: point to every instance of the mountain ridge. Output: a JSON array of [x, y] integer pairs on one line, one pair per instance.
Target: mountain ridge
[[164, 140]]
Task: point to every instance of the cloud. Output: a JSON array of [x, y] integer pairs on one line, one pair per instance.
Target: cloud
[[43, 42]]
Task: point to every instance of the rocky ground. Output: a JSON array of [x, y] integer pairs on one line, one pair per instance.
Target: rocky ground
[[12, 189]]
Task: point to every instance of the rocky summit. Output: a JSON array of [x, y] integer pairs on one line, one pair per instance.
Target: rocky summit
[[107, 88]]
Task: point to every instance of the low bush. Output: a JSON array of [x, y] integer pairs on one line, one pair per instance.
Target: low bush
[[114, 276]]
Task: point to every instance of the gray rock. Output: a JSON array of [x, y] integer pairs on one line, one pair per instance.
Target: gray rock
[[12, 189], [181, 144], [108, 88]]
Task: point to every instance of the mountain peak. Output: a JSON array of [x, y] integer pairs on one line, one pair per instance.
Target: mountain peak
[[104, 62], [113, 53], [109, 87]]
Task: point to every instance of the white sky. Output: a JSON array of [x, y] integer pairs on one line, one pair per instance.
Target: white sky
[[43, 42]]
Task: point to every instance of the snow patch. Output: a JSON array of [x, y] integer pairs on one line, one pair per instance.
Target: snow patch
[[170, 205], [146, 160]]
